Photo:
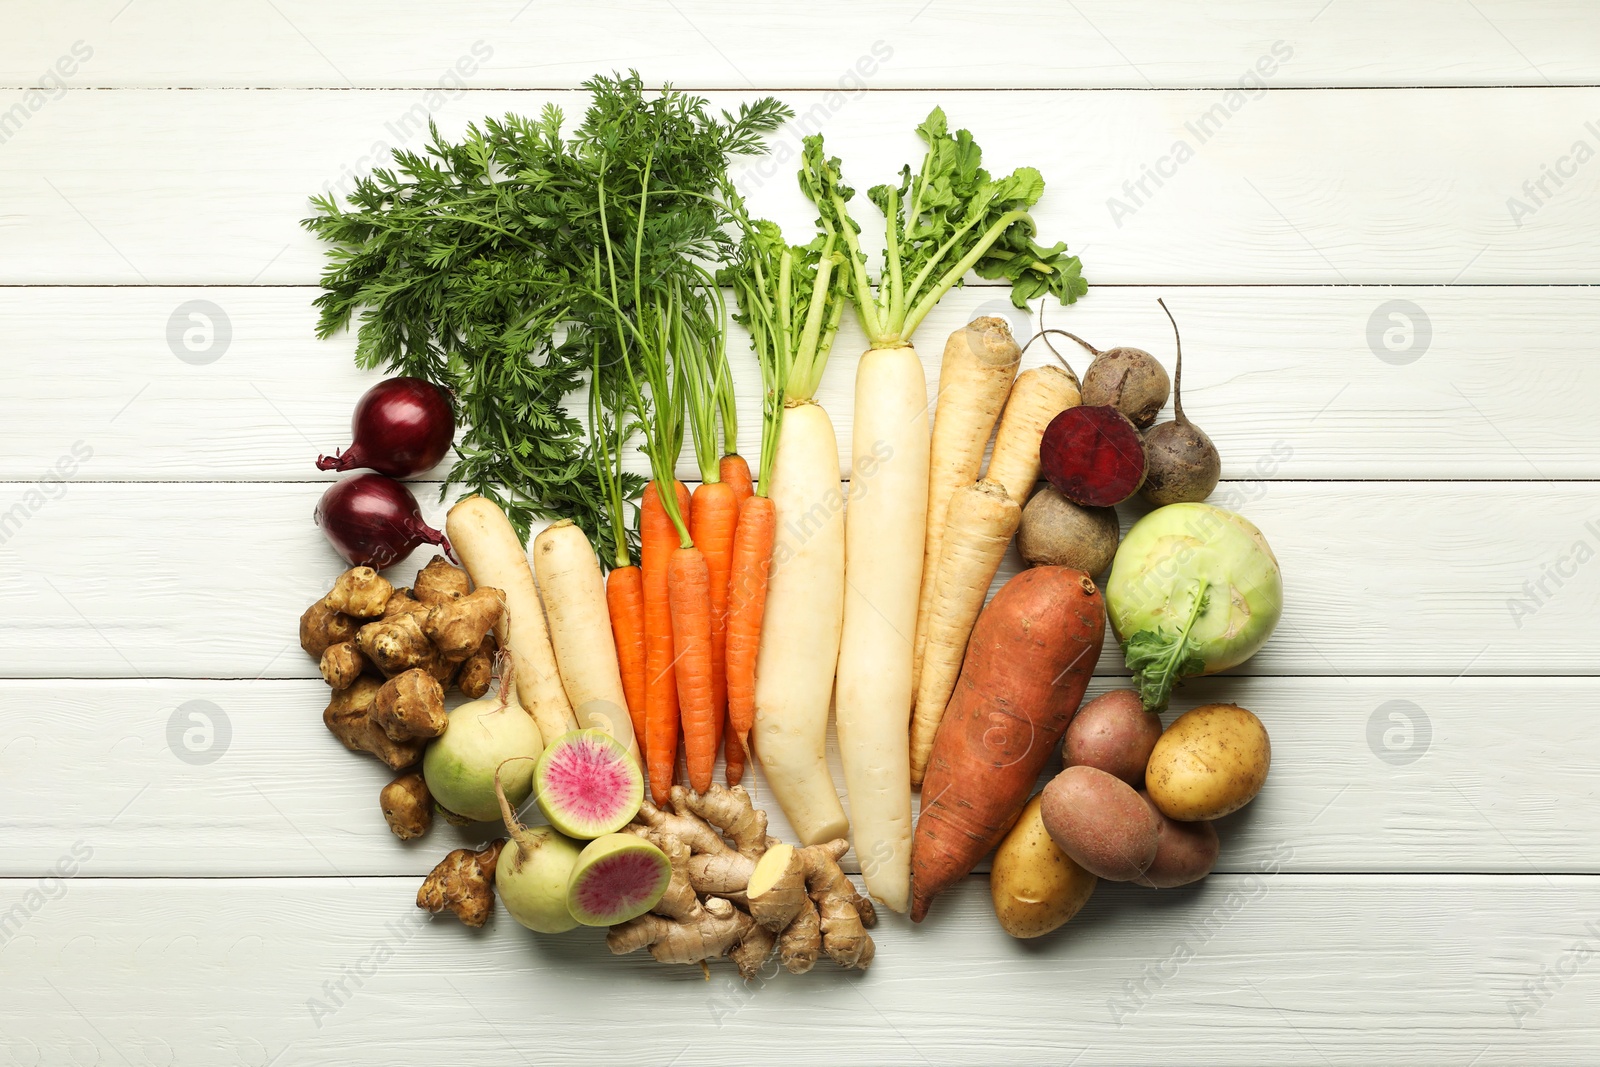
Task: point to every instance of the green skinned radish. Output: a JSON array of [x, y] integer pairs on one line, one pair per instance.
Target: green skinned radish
[[587, 784], [460, 765], [534, 870], [618, 877]]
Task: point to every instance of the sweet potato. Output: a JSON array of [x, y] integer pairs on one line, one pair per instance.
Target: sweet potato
[[1028, 662]]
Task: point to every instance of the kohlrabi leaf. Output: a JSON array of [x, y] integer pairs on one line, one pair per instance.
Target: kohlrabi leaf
[[1159, 658]]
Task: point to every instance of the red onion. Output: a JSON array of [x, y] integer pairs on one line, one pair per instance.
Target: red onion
[[401, 426], [374, 521]]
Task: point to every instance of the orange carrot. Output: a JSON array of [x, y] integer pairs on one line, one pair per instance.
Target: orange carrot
[[715, 515], [734, 752], [747, 599], [689, 595], [658, 540], [736, 473], [625, 602]]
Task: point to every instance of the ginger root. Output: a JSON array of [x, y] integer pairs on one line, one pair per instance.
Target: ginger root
[[341, 664], [407, 806], [463, 882], [440, 581], [800, 903], [457, 627], [349, 718], [410, 706], [396, 644], [361, 592], [321, 626], [717, 931]]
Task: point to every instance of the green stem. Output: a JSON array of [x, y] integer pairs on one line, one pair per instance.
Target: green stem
[[950, 277]]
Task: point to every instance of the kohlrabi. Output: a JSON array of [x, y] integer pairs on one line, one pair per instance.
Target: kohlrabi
[[1193, 590]]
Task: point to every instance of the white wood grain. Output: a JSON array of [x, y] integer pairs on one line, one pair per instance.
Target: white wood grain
[[1268, 968], [1369, 775], [1284, 379], [208, 186], [716, 43], [113, 580]]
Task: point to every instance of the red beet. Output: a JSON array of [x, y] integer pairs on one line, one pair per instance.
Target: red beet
[[372, 521], [401, 426], [1093, 456]]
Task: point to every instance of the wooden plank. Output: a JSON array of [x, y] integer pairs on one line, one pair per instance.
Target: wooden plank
[[714, 43], [114, 580], [1281, 189], [1266, 968], [1289, 381], [213, 779]]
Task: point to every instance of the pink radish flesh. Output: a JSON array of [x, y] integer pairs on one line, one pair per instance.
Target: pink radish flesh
[[587, 785], [623, 882]]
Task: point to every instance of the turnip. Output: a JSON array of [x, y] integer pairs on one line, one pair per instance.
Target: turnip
[[587, 784], [1182, 463], [534, 871], [460, 767]]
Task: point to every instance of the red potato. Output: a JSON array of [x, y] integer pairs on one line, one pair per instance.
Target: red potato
[[1185, 851], [1101, 823], [1028, 662], [1114, 733]]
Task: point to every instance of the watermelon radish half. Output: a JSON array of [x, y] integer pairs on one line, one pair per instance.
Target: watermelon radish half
[[618, 877], [587, 784]]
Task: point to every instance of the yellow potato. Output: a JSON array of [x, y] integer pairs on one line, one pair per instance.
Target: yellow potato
[[1211, 761], [1035, 886]]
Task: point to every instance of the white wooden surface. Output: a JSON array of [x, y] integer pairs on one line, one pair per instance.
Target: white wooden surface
[[1416, 885]]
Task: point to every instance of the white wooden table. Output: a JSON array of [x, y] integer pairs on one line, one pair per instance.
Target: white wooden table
[[1420, 881]]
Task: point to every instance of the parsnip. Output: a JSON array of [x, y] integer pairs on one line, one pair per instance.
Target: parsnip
[[884, 532], [574, 598], [980, 363], [801, 626], [981, 520], [1038, 396], [489, 549]]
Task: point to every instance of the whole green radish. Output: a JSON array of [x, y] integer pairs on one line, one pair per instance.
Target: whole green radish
[[534, 871], [460, 765]]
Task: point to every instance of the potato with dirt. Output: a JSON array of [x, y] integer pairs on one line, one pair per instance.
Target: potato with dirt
[[1212, 761], [1114, 733], [1035, 886], [1101, 823], [1185, 851]]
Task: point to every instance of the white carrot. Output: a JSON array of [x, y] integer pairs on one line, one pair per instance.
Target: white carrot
[[801, 625], [979, 526], [493, 555], [1038, 396], [980, 362], [574, 597], [884, 530]]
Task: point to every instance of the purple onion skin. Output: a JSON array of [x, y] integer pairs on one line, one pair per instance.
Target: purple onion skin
[[401, 427], [373, 521]]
